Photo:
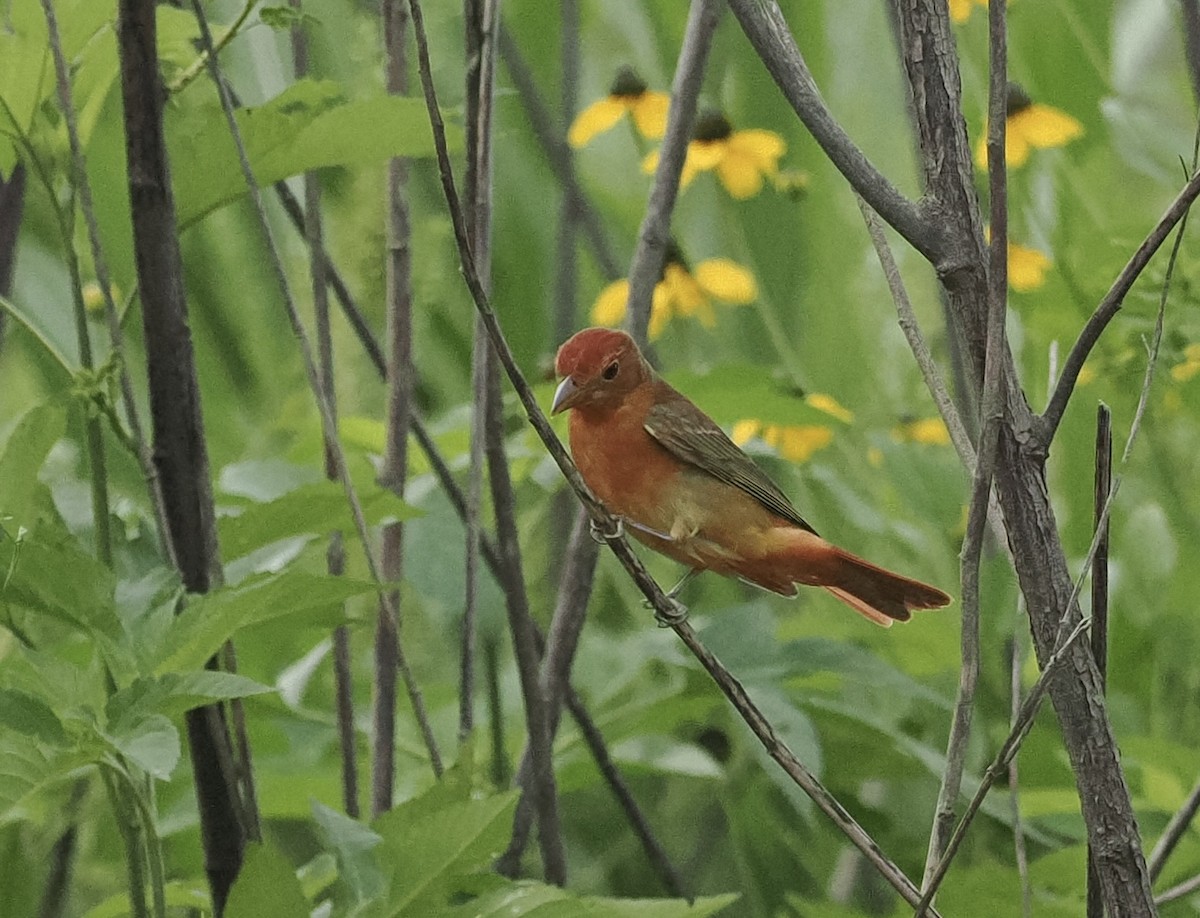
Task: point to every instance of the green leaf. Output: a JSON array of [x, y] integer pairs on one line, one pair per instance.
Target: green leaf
[[315, 508], [172, 694], [353, 844], [28, 766], [30, 716], [210, 620], [525, 899], [27, 447], [192, 897], [266, 887], [152, 744], [50, 329], [433, 850], [309, 125]]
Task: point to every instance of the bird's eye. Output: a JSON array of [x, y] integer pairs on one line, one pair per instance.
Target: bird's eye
[[610, 371]]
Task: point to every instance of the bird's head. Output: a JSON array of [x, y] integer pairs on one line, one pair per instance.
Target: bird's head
[[598, 366]]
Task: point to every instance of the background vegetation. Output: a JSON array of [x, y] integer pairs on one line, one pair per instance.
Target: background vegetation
[[96, 669]]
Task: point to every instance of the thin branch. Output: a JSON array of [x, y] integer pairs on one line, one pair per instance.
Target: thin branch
[[482, 19], [1191, 41], [1014, 783], [1029, 709], [558, 155], [1099, 638], [666, 607], [1186, 888], [991, 416], [1109, 306], [328, 423], [654, 236], [1173, 833], [335, 554], [768, 32], [12, 206]]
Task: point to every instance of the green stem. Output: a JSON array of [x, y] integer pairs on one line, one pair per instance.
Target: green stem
[[197, 66], [129, 828]]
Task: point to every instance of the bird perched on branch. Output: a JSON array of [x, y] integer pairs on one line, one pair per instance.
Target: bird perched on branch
[[681, 486]]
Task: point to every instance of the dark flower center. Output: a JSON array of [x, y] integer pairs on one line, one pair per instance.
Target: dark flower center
[[711, 125], [627, 84]]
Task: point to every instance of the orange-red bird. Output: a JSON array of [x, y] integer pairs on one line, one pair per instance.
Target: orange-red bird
[[685, 489]]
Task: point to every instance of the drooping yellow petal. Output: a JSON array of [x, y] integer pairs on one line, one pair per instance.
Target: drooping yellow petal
[[610, 305], [597, 118], [686, 295], [1026, 267], [930, 431], [764, 147], [1191, 364], [740, 175], [661, 310], [744, 430], [726, 280], [649, 112], [960, 10], [830, 406], [799, 442], [1044, 126]]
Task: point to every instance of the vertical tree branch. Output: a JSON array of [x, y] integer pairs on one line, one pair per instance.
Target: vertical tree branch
[[180, 454], [12, 206], [1019, 852], [655, 233], [482, 22]]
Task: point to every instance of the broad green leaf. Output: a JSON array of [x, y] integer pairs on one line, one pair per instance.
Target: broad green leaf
[[152, 743], [209, 620], [266, 887], [432, 851], [315, 508], [310, 125], [525, 899], [49, 327], [30, 716], [54, 576], [27, 447], [353, 844], [180, 894], [172, 694], [28, 766]]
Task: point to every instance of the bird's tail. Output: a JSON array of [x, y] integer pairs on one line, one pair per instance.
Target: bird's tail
[[880, 595]]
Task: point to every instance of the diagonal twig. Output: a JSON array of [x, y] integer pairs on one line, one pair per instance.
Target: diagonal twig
[[665, 606]]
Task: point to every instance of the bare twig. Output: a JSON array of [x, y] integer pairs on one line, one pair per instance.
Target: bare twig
[[1186, 888], [482, 19], [1173, 833], [1099, 638], [655, 234], [328, 423], [558, 154], [1191, 41], [1110, 305], [1014, 783], [991, 415], [664, 605], [768, 32]]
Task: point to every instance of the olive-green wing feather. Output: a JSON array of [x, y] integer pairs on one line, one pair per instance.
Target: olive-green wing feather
[[693, 437]]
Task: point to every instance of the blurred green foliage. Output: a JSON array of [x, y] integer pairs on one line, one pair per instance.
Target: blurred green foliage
[[868, 710]]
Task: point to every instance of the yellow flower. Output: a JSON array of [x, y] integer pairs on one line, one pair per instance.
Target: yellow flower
[[960, 10], [1030, 125], [628, 95], [740, 158], [796, 442], [931, 431], [681, 291], [1182, 372], [1087, 374], [830, 406], [1026, 268]]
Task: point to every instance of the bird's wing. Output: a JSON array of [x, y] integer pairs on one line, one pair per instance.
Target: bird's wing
[[693, 437]]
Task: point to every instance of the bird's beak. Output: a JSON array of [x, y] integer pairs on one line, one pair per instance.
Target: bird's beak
[[564, 395]]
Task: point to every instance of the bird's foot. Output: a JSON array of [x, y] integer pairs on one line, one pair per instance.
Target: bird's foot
[[676, 613], [600, 536]]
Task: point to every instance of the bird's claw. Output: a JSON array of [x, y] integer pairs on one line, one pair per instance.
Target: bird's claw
[[676, 613], [600, 537]]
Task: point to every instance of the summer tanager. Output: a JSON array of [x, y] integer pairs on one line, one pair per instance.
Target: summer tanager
[[681, 486]]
